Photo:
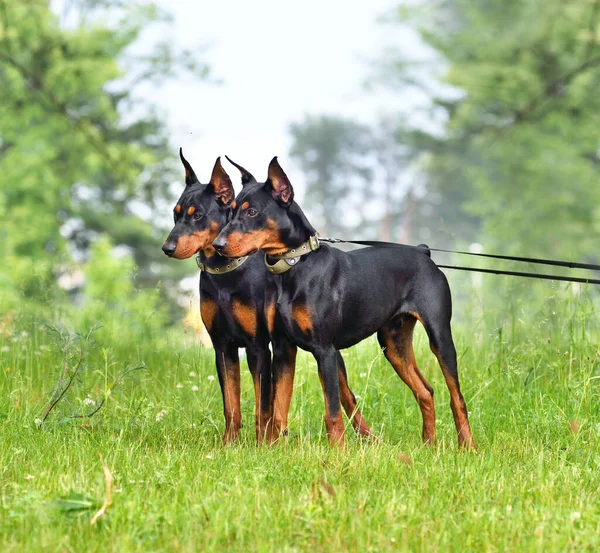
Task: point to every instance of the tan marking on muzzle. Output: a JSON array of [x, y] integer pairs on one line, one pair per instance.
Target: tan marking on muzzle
[[191, 244], [267, 239]]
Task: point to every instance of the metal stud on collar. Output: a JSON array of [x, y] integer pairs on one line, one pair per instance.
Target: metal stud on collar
[[221, 270]]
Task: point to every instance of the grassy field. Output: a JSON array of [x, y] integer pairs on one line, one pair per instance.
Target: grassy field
[[533, 392]]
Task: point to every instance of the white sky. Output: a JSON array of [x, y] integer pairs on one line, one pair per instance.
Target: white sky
[[277, 60]]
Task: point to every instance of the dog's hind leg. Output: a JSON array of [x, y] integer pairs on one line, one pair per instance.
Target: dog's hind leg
[[349, 401], [442, 345], [396, 339], [435, 313]]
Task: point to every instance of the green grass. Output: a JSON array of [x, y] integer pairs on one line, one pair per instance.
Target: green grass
[[533, 395]]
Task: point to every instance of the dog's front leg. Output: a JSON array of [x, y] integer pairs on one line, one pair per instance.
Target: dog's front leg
[[328, 374], [259, 362], [228, 369], [284, 367]]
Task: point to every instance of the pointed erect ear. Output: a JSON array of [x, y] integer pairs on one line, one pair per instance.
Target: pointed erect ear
[[281, 187], [190, 176], [246, 175], [221, 184]]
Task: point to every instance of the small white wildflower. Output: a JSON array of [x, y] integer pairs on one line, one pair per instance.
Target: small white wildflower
[[211, 377], [210, 456], [5, 349], [179, 386], [38, 422], [363, 375], [575, 516], [192, 374], [160, 415], [29, 477], [195, 388], [89, 400], [24, 334], [358, 397]]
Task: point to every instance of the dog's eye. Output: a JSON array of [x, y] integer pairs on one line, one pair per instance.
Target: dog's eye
[[197, 216], [252, 212]]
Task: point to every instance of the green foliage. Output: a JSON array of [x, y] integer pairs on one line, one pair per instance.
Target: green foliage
[[519, 157], [79, 150], [109, 296]]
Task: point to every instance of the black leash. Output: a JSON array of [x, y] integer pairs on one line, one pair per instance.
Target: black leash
[[569, 264]]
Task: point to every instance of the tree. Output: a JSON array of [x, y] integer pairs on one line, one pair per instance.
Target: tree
[[79, 151], [518, 155], [333, 154]]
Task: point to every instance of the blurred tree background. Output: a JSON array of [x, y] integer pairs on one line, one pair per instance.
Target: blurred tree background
[[82, 156], [509, 158], [514, 163]]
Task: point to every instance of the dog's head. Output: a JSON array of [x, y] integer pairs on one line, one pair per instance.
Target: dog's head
[[261, 216], [200, 213]]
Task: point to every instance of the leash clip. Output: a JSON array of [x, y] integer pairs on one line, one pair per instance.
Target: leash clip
[[313, 242]]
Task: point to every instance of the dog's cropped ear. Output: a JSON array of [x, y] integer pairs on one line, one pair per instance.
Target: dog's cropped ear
[[221, 184], [190, 176], [281, 187], [247, 176]]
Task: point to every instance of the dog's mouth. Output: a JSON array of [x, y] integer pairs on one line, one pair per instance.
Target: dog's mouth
[[190, 245]]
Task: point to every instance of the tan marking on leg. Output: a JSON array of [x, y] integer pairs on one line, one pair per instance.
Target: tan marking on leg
[[302, 317], [333, 424], [245, 316], [285, 368], [231, 401], [270, 314], [458, 406], [351, 408], [399, 352], [257, 405], [208, 312]]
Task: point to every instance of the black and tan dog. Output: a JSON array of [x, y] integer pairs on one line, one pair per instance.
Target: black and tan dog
[[233, 309], [328, 300]]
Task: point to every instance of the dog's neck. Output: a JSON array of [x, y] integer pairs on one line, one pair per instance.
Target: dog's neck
[[210, 258], [299, 229]]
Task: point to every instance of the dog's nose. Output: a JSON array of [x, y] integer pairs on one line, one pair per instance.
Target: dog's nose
[[219, 243], [169, 247]]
